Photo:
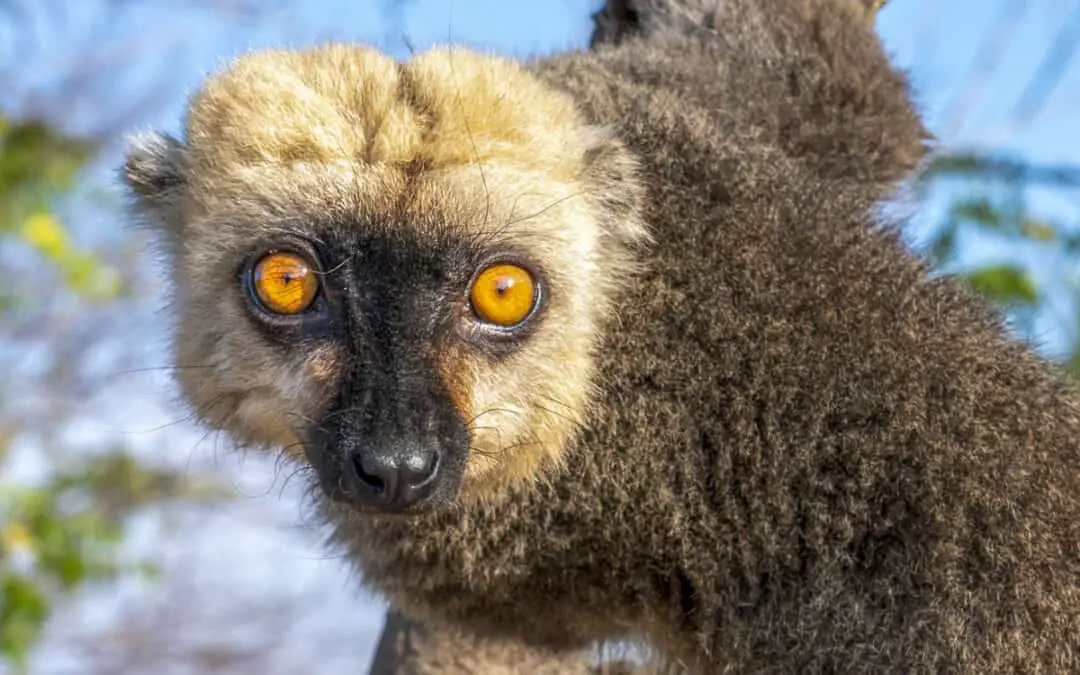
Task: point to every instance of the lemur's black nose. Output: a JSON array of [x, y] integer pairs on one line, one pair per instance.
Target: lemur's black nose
[[392, 481]]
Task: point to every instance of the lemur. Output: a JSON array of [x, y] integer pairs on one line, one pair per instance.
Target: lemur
[[614, 343]]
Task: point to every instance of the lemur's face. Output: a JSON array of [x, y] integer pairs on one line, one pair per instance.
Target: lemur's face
[[397, 273], [414, 333]]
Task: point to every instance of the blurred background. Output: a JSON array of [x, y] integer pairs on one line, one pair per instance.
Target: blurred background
[[132, 541]]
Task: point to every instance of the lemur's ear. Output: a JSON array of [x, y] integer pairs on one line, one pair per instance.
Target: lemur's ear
[[611, 178], [155, 172]]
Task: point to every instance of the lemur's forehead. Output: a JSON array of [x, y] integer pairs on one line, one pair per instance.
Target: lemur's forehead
[[346, 134], [351, 104]]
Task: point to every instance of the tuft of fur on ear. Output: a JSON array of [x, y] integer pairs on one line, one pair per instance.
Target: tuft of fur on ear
[[154, 170]]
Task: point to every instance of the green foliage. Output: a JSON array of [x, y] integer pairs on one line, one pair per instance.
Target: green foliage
[[57, 536], [23, 611], [37, 158], [1007, 285], [994, 206], [36, 165]]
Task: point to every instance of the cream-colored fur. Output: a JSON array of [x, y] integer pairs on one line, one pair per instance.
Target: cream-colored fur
[[452, 136]]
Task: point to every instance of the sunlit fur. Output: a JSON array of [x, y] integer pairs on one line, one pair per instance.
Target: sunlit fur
[[783, 444], [469, 138]]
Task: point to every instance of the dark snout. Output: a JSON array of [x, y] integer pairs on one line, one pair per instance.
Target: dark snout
[[394, 478], [391, 455]]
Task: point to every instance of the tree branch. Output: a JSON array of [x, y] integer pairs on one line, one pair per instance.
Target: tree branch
[[977, 165]]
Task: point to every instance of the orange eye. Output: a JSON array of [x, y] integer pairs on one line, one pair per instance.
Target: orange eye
[[285, 283], [503, 295]]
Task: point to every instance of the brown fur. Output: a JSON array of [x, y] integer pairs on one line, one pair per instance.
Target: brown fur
[[788, 448]]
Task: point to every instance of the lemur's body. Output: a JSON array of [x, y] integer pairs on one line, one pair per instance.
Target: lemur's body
[[764, 441]]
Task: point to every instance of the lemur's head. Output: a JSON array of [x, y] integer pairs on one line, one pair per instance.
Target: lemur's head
[[396, 271]]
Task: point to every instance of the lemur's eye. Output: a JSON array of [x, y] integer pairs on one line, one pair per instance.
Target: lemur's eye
[[503, 295], [285, 283]]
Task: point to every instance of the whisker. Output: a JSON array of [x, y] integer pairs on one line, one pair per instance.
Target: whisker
[[153, 369], [167, 425], [522, 444], [344, 411], [498, 443], [308, 420], [297, 471], [195, 448], [472, 139], [553, 400], [562, 416], [476, 417], [547, 208], [333, 269], [290, 231]]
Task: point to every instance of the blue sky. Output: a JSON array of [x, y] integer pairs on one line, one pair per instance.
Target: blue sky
[[180, 41], [140, 62], [163, 49]]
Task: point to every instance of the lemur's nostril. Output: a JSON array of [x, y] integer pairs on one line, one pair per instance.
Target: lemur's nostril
[[393, 480], [378, 485]]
